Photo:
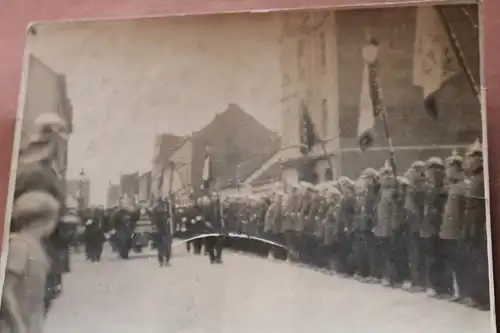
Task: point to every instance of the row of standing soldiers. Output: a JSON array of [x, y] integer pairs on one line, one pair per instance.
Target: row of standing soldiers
[[424, 232]]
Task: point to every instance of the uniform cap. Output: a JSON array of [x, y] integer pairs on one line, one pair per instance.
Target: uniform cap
[[475, 149], [418, 165], [454, 159], [435, 162], [370, 172]]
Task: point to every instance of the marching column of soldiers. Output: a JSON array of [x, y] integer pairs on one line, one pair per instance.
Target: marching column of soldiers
[[423, 232], [203, 217]]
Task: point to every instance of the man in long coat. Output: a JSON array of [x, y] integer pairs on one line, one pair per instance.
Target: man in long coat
[[435, 200], [476, 229], [414, 206]]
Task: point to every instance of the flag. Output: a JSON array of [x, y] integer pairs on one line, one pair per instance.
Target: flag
[[371, 102], [207, 172], [434, 60], [157, 172], [308, 134]]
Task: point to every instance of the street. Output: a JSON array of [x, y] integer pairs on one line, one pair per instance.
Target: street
[[245, 294]]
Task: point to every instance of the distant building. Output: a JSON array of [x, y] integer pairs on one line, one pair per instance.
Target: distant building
[[177, 176], [164, 146], [235, 145], [113, 196], [78, 190], [145, 187], [129, 188]]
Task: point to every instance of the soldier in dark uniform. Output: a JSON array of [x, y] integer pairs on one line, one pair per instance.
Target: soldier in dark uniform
[[124, 221], [212, 224], [305, 227], [452, 231], [414, 206], [476, 233], [384, 229], [290, 214], [195, 226], [399, 244], [160, 219], [331, 227], [368, 200], [94, 237], [320, 255], [347, 212], [435, 200], [273, 222]]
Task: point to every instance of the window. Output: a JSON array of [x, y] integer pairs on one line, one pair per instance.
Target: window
[[324, 118], [322, 50]]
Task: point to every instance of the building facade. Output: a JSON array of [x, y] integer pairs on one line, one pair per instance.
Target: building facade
[[129, 188], [308, 58], [322, 68], [45, 91], [145, 187], [177, 175], [113, 196]]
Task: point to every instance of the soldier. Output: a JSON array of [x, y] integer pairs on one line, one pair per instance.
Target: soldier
[[160, 219], [346, 215], [94, 237], [435, 200], [124, 221], [384, 269], [368, 199], [452, 231], [414, 206], [196, 226], [305, 227], [273, 223], [211, 222], [399, 245], [475, 216], [331, 227], [321, 249], [290, 214]]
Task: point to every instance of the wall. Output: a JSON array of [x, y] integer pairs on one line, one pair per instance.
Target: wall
[[179, 182], [459, 122], [308, 57], [411, 128], [45, 93]]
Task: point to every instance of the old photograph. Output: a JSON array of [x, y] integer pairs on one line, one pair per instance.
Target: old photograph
[[299, 171]]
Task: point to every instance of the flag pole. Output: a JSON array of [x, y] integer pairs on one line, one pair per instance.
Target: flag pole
[[450, 33], [372, 69]]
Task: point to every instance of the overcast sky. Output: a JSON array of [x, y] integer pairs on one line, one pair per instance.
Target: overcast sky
[[128, 80]]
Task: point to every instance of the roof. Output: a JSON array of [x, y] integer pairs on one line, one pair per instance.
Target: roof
[[237, 144], [166, 143]]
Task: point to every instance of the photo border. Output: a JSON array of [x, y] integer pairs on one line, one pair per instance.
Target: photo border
[[17, 16]]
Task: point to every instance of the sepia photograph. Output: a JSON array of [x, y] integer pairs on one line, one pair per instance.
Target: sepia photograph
[[294, 171]]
